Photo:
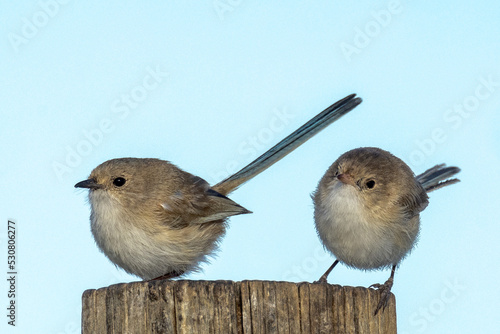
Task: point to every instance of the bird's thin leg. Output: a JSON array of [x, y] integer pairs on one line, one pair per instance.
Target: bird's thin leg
[[323, 278], [385, 291], [168, 275]]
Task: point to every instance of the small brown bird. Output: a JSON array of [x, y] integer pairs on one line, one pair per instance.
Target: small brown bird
[[155, 220], [367, 210]]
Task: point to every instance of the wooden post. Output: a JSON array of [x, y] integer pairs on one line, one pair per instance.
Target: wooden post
[[234, 307]]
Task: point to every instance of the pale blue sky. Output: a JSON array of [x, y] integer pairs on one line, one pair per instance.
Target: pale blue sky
[[429, 75]]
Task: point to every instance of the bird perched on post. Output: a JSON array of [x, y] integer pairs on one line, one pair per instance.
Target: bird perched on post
[[155, 220], [367, 210]]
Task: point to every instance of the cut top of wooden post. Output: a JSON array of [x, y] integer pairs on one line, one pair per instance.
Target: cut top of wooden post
[[234, 307]]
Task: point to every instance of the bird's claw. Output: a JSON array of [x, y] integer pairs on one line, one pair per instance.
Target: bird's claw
[[385, 293], [168, 275], [322, 280]]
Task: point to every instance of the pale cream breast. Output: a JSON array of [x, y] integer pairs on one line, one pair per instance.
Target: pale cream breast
[[348, 230], [148, 253]]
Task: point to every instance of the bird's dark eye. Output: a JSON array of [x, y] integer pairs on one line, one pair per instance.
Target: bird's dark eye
[[119, 181], [370, 184]]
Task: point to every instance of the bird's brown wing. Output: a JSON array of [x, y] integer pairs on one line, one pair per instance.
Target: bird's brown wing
[[196, 203], [413, 202]]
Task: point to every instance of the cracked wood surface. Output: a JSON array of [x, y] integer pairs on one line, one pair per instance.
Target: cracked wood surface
[[234, 307]]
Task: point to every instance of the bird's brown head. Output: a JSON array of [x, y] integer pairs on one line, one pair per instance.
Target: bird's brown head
[[383, 182]]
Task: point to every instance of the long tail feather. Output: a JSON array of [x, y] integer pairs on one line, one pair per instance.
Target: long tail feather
[[436, 177], [290, 143]]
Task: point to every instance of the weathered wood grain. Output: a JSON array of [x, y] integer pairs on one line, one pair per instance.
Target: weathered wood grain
[[234, 307]]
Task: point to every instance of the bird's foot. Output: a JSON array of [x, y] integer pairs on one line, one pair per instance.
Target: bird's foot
[[322, 280], [385, 294], [168, 275]]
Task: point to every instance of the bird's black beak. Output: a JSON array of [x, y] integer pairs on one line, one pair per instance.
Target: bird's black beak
[[90, 184]]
